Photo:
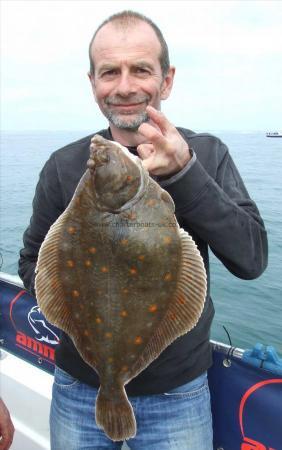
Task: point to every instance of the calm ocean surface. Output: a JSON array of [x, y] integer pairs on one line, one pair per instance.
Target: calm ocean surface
[[250, 310]]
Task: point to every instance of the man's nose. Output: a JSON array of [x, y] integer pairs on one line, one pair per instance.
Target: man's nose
[[126, 85]]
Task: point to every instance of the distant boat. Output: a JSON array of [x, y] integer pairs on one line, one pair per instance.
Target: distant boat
[[274, 134]]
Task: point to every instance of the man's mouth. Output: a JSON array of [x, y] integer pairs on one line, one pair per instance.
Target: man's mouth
[[126, 105], [128, 108], [117, 102]]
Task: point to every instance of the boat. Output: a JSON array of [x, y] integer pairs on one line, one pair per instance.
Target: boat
[[274, 134], [245, 385]]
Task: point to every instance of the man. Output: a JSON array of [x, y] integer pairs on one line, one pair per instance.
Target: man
[[130, 75], [6, 427]]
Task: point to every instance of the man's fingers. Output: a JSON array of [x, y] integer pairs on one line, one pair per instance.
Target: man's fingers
[[170, 149], [145, 150], [7, 435], [152, 135], [7, 439], [6, 427], [147, 164], [153, 164], [159, 118]]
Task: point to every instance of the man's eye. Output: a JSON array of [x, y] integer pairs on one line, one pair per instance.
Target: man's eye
[[141, 70], [109, 73]]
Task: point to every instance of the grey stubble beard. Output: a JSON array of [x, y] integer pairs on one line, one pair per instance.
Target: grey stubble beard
[[127, 124]]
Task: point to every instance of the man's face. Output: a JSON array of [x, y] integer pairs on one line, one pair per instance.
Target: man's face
[[128, 74]]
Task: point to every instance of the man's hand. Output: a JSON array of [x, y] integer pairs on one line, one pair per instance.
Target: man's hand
[[6, 427], [165, 151]]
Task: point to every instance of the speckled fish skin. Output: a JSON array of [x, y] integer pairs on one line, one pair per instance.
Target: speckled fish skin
[[118, 275]]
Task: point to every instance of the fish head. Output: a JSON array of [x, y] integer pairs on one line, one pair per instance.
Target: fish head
[[118, 176]]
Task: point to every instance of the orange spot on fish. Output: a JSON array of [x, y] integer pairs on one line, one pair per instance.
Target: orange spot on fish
[[181, 300], [141, 257], [55, 284], [151, 202], [168, 276], [125, 291], [124, 313], [129, 178], [167, 240], [124, 241], [133, 271], [87, 263], [86, 333], [138, 340], [124, 369], [108, 335], [75, 293], [172, 316], [104, 269], [71, 230], [132, 216], [153, 308], [70, 263], [98, 320], [92, 250]]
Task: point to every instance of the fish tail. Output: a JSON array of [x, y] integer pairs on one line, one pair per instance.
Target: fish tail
[[114, 414]]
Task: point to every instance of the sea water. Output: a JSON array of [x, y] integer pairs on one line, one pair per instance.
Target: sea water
[[251, 311]]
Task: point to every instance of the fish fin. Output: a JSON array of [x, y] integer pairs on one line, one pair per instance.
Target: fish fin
[[185, 308], [190, 295], [114, 414], [48, 286]]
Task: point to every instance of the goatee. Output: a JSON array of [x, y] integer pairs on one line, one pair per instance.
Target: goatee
[[127, 123]]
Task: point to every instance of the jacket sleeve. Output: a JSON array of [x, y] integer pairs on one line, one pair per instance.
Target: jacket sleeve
[[220, 211], [47, 207]]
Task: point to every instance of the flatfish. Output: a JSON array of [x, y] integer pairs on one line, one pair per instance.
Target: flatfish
[[119, 276]]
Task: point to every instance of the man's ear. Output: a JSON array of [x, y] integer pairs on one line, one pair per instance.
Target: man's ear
[[92, 82], [167, 83]]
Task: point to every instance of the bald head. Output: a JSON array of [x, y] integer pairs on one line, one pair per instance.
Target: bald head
[[125, 21]]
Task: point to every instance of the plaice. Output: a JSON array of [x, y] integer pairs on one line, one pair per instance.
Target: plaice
[[119, 276]]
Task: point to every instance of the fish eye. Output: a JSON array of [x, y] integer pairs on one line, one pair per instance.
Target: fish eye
[[101, 157]]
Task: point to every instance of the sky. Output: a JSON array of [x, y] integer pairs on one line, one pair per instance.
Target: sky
[[227, 54]]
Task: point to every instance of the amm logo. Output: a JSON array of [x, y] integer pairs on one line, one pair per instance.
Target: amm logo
[[32, 345], [33, 333]]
